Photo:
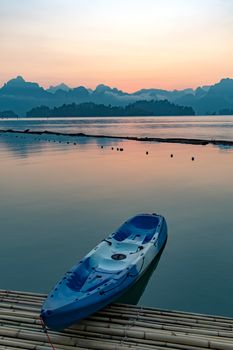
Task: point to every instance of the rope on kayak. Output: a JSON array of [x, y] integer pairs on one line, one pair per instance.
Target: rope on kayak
[[46, 332]]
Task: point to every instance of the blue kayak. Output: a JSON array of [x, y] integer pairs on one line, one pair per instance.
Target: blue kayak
[[106, 272]]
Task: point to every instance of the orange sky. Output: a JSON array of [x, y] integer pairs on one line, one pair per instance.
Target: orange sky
[[129, 44]]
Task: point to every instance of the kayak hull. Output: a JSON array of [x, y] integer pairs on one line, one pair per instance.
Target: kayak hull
[[107, 272]]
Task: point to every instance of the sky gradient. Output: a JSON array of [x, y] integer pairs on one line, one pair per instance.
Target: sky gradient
[[129, 44]]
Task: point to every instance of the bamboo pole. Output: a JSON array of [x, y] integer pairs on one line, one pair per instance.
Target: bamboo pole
[[152, 324], [19, 320], [28, 319], [18, 307], [179, 346], [22, 345], [174, 322], [21, 296], [133, 308], [36, 295], [141, 341], [168, 312], [137, 324], [19, 301], [117, 322], [68, 343], [112, 320], [155, 318], [173, 338], [141, 328], [141, 313], [153, 312], [118, 326], [35, 345]]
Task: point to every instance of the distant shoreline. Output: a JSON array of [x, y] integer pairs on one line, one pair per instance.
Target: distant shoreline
[[115, 117], [111, 116], [189, 141]]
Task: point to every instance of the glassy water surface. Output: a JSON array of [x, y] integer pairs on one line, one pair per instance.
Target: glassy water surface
[[206, 127], [58, 200]]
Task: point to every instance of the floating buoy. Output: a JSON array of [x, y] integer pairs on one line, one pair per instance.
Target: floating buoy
[[171, 155]]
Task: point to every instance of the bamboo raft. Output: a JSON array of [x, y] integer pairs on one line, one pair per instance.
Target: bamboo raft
[[119, 326]]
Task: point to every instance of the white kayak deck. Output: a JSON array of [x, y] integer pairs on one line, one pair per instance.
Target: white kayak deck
[[119, 326]]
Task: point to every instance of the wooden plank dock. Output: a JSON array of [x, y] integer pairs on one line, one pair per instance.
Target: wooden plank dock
[[119, 326]]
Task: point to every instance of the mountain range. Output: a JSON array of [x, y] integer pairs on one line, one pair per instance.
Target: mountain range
[[19, 96]]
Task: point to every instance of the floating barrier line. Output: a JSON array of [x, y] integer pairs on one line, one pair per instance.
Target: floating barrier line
[[181, 140]]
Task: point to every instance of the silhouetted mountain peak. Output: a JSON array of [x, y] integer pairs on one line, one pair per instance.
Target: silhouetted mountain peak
[[80, 88], [79, 93], [20, 78], [224, 87], [19, 87], [226, 81], [18, 81], [200, 92], [101, 88], [55, 88], [149, 91]]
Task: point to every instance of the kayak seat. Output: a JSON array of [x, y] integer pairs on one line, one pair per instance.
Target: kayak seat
[[122, 234], [148, 237], [79, 276], [127, 247], [95, 280], [141, 228], [145, 222], [109, 265], [132, 240]]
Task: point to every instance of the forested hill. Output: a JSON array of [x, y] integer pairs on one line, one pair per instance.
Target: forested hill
[[89, 109]]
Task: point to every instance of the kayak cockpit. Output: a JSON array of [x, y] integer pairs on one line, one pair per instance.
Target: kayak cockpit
[[140, 229], [127, 241], [90, 275]]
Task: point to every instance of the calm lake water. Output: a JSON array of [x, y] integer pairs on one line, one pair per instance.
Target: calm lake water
[[58, 200], [213, 127]]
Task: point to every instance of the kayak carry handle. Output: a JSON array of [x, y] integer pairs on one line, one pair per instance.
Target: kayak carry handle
[[140, 248], [105, 240]]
